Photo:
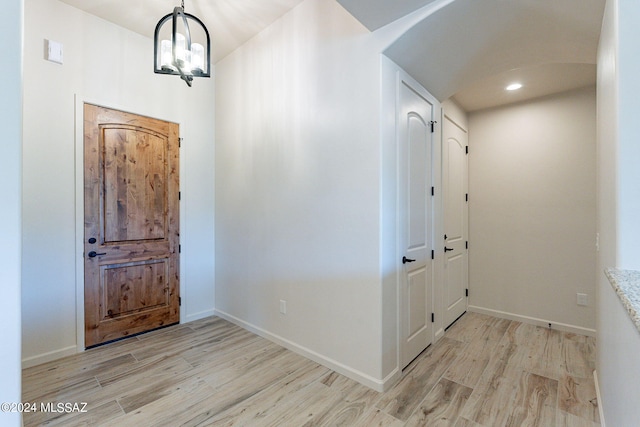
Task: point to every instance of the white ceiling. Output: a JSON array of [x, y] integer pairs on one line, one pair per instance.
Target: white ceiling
[[374, 14], [230, 22], [467, 49], [459, 46], [537, 81]]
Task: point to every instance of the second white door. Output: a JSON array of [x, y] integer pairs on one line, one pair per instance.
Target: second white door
[[454, 163]]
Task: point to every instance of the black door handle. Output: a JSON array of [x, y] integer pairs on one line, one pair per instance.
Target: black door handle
[[93, 254], [406, 260], [446, 249]]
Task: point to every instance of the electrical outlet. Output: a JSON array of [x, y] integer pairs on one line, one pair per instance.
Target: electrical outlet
[[283, 306], [583, 299]]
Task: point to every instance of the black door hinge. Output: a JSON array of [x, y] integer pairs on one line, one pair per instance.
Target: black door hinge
[[179, 142], [466, 149], [466, 244], [433, 254], [433, 191], [466, 197], [179, 249], [180, 301], [466, 292], [432, 123], [433, 317], [179, 195]]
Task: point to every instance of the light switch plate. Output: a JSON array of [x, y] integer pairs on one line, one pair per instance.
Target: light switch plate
[[583, 299], [54, 51]]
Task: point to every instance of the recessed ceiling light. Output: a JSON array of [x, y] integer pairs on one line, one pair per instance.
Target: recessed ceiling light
[[514, 86]]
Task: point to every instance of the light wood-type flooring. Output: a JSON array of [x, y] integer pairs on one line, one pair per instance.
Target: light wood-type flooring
[[485, 371]]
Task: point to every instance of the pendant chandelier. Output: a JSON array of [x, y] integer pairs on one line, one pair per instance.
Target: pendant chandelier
[[176, 51]]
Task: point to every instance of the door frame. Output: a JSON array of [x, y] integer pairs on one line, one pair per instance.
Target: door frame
[[79, 101], [437, 223]]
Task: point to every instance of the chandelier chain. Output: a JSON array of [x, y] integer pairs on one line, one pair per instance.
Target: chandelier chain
[[182, 5]]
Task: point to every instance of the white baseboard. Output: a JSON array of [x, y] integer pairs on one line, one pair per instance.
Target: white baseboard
[[534, 321], [197, 316], [390, 380], [599, 398], [362, 378], [39, 359]]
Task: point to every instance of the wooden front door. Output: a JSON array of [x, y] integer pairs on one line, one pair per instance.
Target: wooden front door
[[131, 217]]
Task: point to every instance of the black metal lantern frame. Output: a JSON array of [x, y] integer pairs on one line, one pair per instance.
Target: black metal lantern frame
[[184, 59]]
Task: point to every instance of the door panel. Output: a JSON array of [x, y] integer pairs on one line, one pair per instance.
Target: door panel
[[131, 224], [417, 293], [415, 144], [133, 288], [135, 168], [455, 220], [455, 289]]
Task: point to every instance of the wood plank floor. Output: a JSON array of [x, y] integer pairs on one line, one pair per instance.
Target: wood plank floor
[[485, 372]]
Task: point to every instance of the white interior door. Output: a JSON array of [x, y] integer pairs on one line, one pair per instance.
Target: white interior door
[[454, 169], [415, 146]]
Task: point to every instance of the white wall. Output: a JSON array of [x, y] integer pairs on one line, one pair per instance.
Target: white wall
[[10, 224], [618, 340], [106, 64], [532, 191], [298, 187]]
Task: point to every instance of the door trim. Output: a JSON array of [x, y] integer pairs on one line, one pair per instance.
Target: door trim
[[79, 101]]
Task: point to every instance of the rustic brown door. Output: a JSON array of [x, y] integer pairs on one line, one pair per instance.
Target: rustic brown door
[[131, 234]]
